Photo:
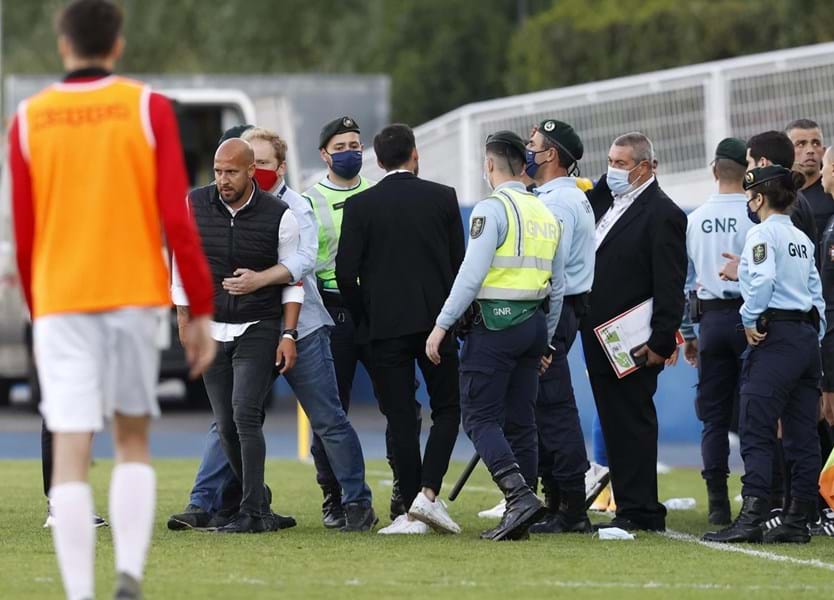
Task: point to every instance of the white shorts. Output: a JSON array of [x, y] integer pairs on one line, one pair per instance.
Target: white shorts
[[91, 365]]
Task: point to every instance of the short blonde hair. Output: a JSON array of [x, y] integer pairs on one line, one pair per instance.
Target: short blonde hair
[[279, 146]]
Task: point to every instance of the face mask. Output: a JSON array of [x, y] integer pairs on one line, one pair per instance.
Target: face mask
[[751, 214], [486, 179], [266, 178], [617, 180], [531, 166], [347, 164]]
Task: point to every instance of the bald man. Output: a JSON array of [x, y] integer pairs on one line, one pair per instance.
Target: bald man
[[245, 231]]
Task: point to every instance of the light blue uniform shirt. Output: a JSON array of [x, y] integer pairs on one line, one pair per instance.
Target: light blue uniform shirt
[[570, 206], [777, 270], [302, 264], [478, 258]]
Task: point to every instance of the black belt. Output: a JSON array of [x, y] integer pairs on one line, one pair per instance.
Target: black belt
[[778, 314], [729, 304], [580, 303]]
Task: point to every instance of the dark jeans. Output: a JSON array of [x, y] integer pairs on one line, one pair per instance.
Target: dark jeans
[[394, 370], [499, 382], [237, 384]]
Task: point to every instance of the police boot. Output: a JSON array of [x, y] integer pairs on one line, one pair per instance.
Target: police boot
[[569, 518], [523, 507], [746, 527], [332, 512], [719, 502], [791, 527]]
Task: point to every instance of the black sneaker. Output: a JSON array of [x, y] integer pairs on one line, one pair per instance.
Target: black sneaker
[[359, 517], [332, 513], [276, 522], [627, 524], [193, 517], [824, 525], [244, 523], [127, 588], [222, 518]]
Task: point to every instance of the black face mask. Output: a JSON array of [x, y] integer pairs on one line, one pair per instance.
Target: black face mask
[[752, 215]]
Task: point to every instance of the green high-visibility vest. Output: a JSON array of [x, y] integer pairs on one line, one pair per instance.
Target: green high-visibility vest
[[523, 265], [328, 205]]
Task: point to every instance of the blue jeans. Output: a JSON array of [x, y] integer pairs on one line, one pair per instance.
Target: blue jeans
[[313, 381]]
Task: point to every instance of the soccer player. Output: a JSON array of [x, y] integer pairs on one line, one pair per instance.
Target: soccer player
[[97, 174]]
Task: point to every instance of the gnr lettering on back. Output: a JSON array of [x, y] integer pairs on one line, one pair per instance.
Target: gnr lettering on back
[[719, 225], [541, 230]]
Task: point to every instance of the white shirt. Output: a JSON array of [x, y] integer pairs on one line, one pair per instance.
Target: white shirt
[[395, 171], [288, 232], [618, 208]]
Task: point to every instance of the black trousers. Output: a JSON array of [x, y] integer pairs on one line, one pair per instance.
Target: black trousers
[[237, 384], [629, 424], [46, 457], [394, 361]]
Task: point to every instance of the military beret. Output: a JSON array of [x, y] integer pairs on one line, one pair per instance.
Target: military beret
[[564, 136], [233, 132], [760, 175], [335, 127], [733, 149], [509, 139]]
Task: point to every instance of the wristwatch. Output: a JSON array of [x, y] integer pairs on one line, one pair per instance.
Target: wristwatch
[[291, 334]]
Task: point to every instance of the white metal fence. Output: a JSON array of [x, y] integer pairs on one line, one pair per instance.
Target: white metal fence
[[685, 111]]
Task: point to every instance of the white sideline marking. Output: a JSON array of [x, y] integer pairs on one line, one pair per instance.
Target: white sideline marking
[[806, 562]]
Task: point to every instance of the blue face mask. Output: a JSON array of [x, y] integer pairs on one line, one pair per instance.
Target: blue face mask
[[751, 214], [531, 166], [347, 164], [617, 180]]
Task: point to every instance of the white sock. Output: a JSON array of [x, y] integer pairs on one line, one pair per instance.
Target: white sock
[[132, 505], [74, 537]]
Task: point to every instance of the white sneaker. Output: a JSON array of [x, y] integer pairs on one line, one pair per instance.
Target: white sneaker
[[50, 519], [433, 514], [402, 525], [496, 512]]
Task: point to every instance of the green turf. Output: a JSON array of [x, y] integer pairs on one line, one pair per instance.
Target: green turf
[[310, 562]]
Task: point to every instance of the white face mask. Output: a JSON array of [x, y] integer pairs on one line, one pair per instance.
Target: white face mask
[[617, 180], [486, 179]]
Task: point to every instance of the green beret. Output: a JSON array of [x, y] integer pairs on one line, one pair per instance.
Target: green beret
[[733, 149], [563, 136], [335, 127], [233, 132], [508, 138], [760, 175]]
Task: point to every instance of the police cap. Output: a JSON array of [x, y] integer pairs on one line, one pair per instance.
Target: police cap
[[233, 132], [510, 139], [335, 127], [732, 149], [564, 136], [760, 175]]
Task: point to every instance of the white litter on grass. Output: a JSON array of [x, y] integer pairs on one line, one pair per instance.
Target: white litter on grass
[[680, 503], [614, 533], [353, 582], [685, 537], [663, 469]]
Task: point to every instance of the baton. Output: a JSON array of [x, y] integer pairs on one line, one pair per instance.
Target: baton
[[464, 477]]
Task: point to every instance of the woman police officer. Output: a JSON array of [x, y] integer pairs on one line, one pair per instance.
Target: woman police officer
[[782, 313]]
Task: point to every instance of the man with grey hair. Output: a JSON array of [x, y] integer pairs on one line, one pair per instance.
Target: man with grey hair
[[640, 255]]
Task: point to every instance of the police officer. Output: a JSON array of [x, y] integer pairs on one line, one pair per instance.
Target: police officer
[[783, 318], [509, 263], [719, 225], [551, 158]]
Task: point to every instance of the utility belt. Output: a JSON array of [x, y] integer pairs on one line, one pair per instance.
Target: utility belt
[[498, 317], [581, 303], [330, 298], [698, 307], [772, 315]]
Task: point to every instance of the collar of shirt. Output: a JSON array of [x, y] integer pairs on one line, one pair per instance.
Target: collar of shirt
[[630, 196], [326, 182], [553, 184], [233, 211], [395, 171], [88, 74], [514, 185], [733, 197], [780, 219]]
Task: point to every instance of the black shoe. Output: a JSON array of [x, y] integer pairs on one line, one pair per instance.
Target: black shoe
[[523, 507], [627, 524], [222, 518], [746, 527], [791, 527], [127, 588], [570, 517], [193, 517], [718, 511], [332, 513], [276, 522], [359, 517], [244, 523], [824, 526]]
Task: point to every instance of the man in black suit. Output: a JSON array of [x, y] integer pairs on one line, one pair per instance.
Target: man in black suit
[[641, 254], [400, 248]]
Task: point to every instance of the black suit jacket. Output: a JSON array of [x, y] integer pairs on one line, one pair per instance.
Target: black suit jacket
[[400, 249], [643, 256]]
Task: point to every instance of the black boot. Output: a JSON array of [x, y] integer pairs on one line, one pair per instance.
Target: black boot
[[523, 507], [719, 502], [746, 527], [569, 518], [791, 527], [397, 506], [332, 513]]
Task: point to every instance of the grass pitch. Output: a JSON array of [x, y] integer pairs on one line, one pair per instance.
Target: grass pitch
[[310, 562]]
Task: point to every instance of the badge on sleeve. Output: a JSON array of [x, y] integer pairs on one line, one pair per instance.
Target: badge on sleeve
[[477, 227], [759, 253]]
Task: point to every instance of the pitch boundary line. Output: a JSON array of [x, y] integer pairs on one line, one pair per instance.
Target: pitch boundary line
[[806, 562]]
